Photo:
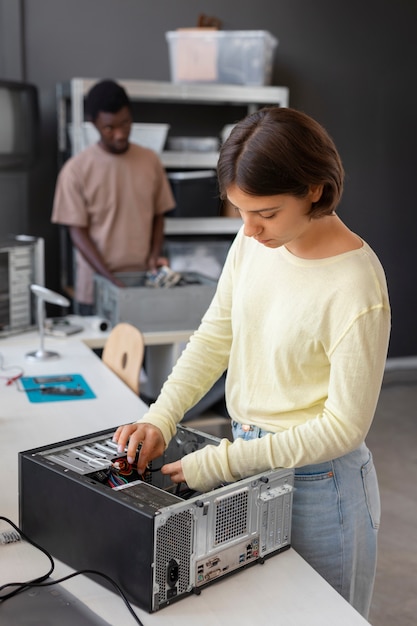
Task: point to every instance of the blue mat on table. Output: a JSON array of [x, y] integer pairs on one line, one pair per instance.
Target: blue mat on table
[[57, 388]]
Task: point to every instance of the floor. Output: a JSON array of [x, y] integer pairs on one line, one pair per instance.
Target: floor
[[393, 441]]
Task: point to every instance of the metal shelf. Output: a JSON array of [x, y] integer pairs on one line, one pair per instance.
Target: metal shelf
[[157, 91], [193, 92], [202, 225], [199, 160]]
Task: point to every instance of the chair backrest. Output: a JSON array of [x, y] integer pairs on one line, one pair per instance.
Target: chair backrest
[[123, 353]]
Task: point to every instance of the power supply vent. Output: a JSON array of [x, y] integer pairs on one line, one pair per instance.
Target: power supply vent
[[173, 544], [231, 517]]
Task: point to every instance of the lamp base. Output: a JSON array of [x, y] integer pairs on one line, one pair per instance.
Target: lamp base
[[42, 355]]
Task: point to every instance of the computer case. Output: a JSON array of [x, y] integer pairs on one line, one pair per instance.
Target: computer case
[[86, 505], [21, 264]]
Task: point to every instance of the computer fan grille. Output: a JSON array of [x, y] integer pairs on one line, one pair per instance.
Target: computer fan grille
[[231, 517]]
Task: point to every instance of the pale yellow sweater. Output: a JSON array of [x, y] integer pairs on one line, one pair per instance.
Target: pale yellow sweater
[[304, 343]]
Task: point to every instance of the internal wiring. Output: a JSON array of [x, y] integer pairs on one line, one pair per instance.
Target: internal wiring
[[122, 467], [19, 587], [115, 481]]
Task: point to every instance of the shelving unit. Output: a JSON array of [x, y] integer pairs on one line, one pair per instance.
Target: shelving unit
[[70, 107], [160, 98]]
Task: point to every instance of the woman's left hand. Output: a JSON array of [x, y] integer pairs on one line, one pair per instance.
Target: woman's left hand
[[174, 471]]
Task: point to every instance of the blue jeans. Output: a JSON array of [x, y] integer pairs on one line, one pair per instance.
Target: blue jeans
[[336, 515]]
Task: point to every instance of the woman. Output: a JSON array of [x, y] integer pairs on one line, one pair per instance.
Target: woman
[[301, 322]]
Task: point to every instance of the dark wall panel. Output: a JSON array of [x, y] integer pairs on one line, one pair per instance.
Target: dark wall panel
[[351, 65]]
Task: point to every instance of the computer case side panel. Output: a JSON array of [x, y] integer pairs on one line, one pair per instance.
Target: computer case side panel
[[82, 524]]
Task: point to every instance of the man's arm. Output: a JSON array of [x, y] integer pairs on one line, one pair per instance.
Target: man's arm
[[157, 240], [82, 241]]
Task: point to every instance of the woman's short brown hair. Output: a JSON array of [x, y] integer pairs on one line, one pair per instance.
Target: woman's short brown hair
[[278, 151]]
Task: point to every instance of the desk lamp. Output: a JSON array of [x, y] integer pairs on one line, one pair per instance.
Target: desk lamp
[[44, 295]]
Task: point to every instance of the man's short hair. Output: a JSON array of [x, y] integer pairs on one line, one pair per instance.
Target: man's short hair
[[107, 96]]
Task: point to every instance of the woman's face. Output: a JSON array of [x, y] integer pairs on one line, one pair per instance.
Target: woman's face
[[278, 220]]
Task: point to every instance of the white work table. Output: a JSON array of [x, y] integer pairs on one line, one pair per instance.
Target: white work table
[[284, 591]]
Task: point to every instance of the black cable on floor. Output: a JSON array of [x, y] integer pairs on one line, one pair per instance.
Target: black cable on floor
[[19, 587]]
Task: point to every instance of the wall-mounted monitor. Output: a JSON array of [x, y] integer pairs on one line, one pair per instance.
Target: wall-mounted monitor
[[19, 125]]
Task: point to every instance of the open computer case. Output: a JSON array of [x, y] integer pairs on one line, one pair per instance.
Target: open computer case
[[86, 505]]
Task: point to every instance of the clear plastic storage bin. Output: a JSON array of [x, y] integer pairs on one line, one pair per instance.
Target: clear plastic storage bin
[[240, 57]]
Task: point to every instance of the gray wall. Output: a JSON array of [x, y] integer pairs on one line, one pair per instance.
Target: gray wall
[[351, 65]]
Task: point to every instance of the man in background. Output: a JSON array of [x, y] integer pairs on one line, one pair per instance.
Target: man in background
[[112, 196]]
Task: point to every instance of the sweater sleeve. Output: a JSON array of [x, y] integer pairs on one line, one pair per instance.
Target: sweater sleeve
[[203, 361], [356, 370]]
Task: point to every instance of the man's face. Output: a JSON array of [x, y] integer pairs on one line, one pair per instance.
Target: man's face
[[114, 129]]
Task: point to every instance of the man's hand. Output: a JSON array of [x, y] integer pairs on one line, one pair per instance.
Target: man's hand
[[117, 281], [132, 435], [174, 471], [156, 261]]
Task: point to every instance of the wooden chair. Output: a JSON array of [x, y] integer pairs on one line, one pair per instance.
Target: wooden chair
[[123, 353]]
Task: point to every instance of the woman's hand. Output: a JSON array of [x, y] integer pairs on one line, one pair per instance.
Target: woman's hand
[[132, 435], [174, 471]]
